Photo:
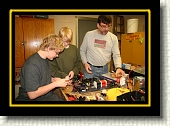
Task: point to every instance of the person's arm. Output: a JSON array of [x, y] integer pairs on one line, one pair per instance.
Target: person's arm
[[83, 49], [31, 78], [117, 58], [56, 72], [45, 89], [116, 54]]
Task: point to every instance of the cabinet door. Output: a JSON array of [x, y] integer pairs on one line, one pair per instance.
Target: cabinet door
[[132, 50], [126, 49], [139, 50], [19, 47], [29, 33], [29, 36], [34, 31], [44, 27]]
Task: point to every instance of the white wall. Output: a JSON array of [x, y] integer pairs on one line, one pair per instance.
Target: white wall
[[67, 21]]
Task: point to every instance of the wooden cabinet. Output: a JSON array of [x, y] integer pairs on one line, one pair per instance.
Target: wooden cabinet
[[133, 48], [29, 33]]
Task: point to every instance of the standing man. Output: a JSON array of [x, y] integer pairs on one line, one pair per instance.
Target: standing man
[[97, 47]]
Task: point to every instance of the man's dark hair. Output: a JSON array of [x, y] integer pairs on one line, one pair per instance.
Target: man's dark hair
[[106, 19]]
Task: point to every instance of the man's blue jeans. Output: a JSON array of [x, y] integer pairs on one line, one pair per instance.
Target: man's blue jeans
[[96, 72]]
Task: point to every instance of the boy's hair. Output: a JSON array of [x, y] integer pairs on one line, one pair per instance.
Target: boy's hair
[[67, 33], [106, 19], [53, 41]]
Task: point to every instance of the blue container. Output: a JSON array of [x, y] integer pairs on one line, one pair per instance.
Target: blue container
[[123, 66]]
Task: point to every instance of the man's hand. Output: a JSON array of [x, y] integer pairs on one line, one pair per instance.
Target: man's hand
[[120, 71], [71, 74], [67, 78], [61, 82], [88, 68]]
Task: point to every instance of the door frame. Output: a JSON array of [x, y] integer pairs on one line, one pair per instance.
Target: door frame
[[77, 25]]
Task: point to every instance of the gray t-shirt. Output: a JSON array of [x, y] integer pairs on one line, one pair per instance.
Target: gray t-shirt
[[97, 49], [35, 73]]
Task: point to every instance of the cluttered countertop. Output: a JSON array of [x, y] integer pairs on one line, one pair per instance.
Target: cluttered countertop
[[109, 88]]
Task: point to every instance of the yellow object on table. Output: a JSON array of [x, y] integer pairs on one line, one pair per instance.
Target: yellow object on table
[[114, 92]]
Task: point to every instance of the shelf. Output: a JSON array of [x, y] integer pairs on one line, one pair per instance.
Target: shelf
[[120, 32]]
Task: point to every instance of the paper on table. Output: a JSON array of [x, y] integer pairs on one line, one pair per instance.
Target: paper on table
[[108, 76]]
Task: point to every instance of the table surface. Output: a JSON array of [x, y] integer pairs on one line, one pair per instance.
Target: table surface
[[68, 90]]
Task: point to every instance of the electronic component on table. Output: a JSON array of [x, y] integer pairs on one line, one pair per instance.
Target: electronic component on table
[[92, 84]]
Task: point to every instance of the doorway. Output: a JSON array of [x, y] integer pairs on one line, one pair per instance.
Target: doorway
[[84, 24]]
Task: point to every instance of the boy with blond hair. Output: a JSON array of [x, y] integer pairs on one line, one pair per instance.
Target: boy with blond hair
[[36, 80], [69, 62]]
